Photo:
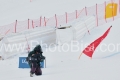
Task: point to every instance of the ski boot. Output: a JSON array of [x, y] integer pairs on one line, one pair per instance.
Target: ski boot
[[31, 75]]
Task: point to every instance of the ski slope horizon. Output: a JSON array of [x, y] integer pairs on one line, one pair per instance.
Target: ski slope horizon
[[65, 65]]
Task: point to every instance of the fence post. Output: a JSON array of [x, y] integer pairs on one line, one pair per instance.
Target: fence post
[[44, 21], [15, 25], [105, 12], [119, 6], [40, 20], [28, 23], [56, 19], [112, 9], [32, 24], [96, 15], [76, 14], [86, 10], [66, 16]]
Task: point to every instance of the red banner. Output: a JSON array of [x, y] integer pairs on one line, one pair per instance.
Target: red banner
[[91, 48]]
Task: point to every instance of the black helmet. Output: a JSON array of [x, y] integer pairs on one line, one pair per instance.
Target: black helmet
[[38, 49]]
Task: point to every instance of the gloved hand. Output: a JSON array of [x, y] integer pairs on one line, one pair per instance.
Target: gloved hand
[[42, 57]]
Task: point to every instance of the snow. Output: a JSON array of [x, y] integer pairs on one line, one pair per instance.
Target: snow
[[63, 64]]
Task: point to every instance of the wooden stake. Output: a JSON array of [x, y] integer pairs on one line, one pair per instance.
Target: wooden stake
[[91, 58], [80, 55]]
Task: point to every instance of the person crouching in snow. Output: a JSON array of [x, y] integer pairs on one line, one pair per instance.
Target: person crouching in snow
[[34, 59]]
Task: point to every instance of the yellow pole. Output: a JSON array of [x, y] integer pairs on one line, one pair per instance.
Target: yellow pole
[[80, 55]]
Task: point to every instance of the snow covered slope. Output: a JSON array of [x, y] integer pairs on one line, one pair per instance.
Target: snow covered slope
[[65, 65], [62, 63]]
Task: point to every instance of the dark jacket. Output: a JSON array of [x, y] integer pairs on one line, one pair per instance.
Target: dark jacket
[[37, 57]]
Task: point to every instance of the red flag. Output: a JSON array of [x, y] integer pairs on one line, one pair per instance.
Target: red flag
[[91, 48]]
